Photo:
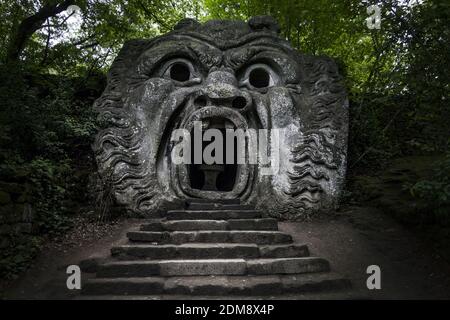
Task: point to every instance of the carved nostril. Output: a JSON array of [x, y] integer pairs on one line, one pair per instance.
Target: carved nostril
[[239, 103], [201, 101]]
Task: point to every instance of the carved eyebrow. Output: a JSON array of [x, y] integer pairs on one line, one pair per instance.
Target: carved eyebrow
[[237, 58], [208, 58], [154, 57]]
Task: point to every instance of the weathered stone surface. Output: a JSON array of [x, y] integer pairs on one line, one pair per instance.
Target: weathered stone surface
[[283, 251], [212, 214], [149, 236], [173, 268], [314, 283], [187, 251], [253, 224], [288, 265], [218, 285], [195, 201], [153, 225], [206, 71], [208, 251], [129, 269], [203, 267], [218, 206], [221, 285], [178, 237], [192, 225], [146, 268]]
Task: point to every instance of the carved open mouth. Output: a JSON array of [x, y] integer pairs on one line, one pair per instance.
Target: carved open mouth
[[226, 180], [214, 176]]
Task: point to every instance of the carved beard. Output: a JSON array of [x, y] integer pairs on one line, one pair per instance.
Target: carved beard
[[146, 100]]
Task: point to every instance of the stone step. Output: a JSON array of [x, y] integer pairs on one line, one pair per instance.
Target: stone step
[[203, 267], [218, 285], [320, 294], [208, 251], [211, 214], [219, 206], [287, 265], [179, 237], [284, 251], [220, 201], [191, 225]]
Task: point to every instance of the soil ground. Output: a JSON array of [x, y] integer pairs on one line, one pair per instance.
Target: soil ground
[[351, 240]]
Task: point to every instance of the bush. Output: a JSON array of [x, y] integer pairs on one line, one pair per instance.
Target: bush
[[436, 191]]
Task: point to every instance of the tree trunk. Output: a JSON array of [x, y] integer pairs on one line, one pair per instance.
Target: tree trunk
[[30, 25]]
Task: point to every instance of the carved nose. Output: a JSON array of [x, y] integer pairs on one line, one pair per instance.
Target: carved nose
[[222, 90]]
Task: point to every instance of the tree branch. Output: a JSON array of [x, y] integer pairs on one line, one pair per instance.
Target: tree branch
[[47, 43], [154, 16], [30, 25]]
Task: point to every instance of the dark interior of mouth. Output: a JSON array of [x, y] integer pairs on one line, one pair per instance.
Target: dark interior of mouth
[[214, 177]]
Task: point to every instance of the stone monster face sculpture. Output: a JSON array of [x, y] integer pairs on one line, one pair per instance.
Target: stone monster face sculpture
[[227, 74]]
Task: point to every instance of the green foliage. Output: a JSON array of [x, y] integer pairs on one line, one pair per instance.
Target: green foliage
[[50, 186], [47, 125], [436, 191], [17, 257]]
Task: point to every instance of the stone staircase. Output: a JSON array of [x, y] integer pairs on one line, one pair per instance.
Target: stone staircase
[[212, 249]]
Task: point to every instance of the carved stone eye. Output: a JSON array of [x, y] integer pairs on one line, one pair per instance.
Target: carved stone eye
[[259, 76], [179, 70]]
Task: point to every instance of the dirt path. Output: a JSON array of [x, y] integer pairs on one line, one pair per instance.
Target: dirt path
[[359, 237], [351, 241]]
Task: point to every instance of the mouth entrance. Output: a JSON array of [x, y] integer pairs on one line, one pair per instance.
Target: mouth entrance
[[214, 177]]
